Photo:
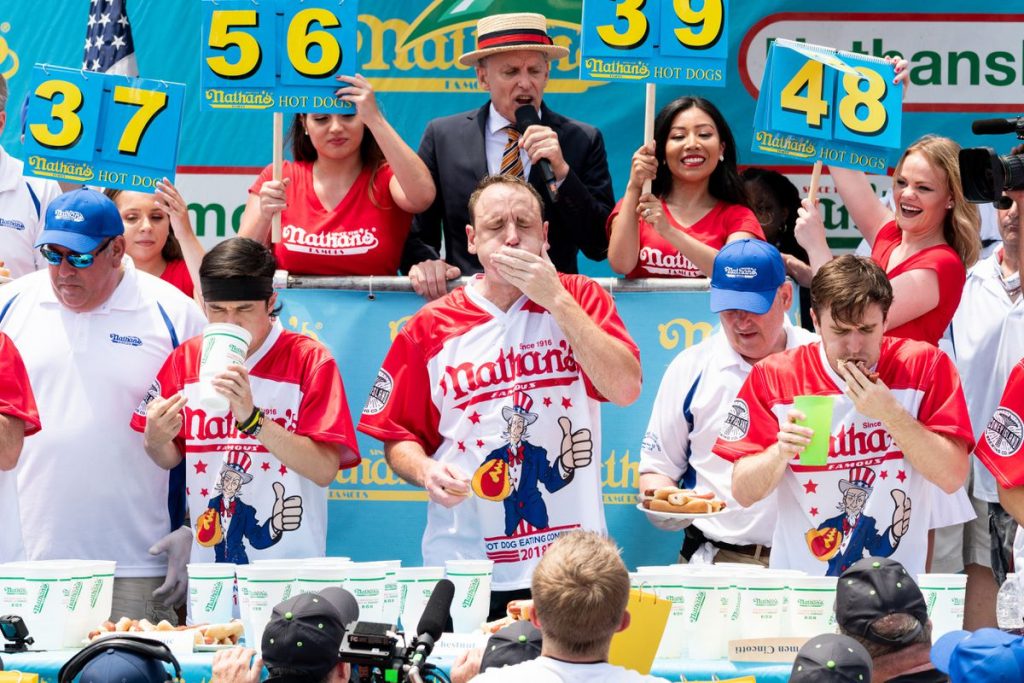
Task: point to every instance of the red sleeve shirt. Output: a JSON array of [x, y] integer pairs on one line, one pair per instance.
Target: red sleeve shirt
[[177, 274], [16, 398], [658, 258], [948, 268], [363, 235], [999, 446]]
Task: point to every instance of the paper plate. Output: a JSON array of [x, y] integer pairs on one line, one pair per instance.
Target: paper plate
[[679, 515]]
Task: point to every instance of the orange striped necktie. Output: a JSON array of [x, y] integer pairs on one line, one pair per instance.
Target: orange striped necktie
[[511, 164]]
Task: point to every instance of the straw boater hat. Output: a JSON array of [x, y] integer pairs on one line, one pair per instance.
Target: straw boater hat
[[507, 32]]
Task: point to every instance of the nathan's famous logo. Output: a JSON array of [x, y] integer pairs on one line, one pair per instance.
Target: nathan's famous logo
[[63, 170], [44, 591], [211, 604], [698, 605], [669, 337], [373, 479], [474, 586], [8, 57], [790, 145], [76, 593], [424, 52]]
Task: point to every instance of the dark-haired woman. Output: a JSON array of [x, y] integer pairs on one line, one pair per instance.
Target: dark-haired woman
[[697, 201], [347, 200]]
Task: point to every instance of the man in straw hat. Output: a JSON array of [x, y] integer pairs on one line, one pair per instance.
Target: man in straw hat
[[512, 62], [441, 400]]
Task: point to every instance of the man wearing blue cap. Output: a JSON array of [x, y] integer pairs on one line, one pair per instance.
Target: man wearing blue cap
[[986, 656], [93, 331], [751, 296]]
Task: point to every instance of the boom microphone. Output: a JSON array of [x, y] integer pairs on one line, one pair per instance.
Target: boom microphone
[[428, 631], [991, 126], [526, 116]]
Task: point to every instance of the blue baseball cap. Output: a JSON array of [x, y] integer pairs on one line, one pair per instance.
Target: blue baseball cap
[[988, 655], [124, 667], [80, 221], [746, 275]]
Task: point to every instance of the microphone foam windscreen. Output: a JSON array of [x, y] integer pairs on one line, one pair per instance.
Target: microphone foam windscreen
[[438, 609]]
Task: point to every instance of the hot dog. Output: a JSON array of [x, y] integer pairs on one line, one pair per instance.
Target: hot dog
[[681, 501]]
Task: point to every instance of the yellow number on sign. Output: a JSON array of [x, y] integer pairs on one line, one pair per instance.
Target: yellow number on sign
[[150, 103], [300, 39], [709, 18], [875, 116], [811, 77], [222, 37], [64, 111], [637, 27]]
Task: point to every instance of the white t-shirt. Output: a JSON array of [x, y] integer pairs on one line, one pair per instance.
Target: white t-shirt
[[22, 211], [694, 398], [16, 401], [832, 515], [548, 670], [86, 487], [455, 377], [296, 383], [974, 336]]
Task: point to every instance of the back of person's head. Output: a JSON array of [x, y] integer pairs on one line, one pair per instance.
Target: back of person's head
[[847, 285], [831, 658], [780, 187], [962, 225], [238, 257], [879, 604], [987, 655], [580, 591]]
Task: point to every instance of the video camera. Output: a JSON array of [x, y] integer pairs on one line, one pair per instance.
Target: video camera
[[984, 174], [380, 652]]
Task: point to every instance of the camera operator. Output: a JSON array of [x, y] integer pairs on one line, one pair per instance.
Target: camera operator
[[300, 644]]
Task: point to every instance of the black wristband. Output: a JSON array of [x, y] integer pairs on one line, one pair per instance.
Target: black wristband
[[246, 426]]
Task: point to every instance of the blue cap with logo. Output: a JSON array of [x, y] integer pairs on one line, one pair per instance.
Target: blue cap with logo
[[80, 221], [988, 655], [124, 667], [746, 275]]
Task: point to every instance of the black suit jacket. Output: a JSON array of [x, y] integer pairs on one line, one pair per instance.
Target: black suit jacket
[[453, 150]]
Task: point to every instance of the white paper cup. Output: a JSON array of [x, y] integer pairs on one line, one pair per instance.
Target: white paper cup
[[761, 605], [264, 587], [472, 579], [101, 591], [224, 344], [669, 586], [944, 595], [365, 581], [415, 586], [46, 614], [709, 596], [314, 578], [13, 589], [211, 592], [812, 602], [391, 607]]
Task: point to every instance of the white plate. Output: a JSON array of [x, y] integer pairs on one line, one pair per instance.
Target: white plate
[[679, 515], [211, 648]]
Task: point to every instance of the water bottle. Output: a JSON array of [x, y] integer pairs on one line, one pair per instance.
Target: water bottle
[[1008, 606]]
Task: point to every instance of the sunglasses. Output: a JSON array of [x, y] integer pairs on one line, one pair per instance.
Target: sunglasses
[[76, 259]]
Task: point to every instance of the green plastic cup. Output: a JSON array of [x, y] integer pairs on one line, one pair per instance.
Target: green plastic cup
[[818, 410]]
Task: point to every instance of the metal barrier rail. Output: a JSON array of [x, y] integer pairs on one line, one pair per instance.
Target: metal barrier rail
[[394, 283]]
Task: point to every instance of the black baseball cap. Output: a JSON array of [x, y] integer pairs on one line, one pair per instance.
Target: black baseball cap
[[873, 588], [831, 658], [518, 642], [305, 632]]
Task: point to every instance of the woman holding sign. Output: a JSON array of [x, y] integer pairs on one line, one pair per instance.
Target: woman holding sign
[[925, 246], [697, 201], [347, 199]]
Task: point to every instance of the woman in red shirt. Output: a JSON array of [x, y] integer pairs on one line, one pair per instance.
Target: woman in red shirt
[[925, 246], [697, 201], [347, 199], [158, 234]]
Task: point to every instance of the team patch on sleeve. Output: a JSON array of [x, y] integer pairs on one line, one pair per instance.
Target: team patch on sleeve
[[651, 443], [151, 393], [1004, 432], [737, 422], [379, 394]]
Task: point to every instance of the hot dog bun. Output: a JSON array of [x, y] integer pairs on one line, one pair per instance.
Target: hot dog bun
[[681, 501]]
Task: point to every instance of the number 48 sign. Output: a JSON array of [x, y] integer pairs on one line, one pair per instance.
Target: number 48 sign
[[105, 129], [840, 107]]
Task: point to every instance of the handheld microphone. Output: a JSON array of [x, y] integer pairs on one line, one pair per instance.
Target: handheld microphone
[[526, 116], [995, 126]]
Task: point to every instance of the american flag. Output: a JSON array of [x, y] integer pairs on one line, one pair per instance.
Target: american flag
[[109, 47]]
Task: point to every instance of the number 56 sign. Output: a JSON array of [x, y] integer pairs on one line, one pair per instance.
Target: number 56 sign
[[277, 55], [668, 41], [817, 103], [110, 130]]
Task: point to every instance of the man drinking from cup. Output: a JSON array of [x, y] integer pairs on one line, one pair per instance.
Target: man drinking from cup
[[907, 426], [283, 435]]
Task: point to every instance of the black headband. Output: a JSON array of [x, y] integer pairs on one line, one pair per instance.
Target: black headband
[[245, 288]]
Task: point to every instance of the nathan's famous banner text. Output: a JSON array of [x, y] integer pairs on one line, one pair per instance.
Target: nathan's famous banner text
[[963, 65], [359, 331]]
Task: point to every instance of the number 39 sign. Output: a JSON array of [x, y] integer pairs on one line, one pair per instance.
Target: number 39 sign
[[277, 55], [840, 107], [109, 130]]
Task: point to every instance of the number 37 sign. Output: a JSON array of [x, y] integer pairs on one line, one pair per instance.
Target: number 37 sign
[[102, 129], [817, 103]]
